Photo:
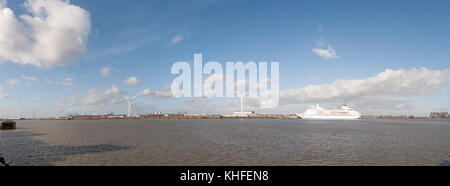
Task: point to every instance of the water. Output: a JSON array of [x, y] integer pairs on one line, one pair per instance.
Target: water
[[227, 142]]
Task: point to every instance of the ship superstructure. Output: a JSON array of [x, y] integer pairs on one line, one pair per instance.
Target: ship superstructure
[[342, 113]]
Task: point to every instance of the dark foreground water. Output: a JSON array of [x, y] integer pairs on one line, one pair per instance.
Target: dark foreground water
[[227, 142]]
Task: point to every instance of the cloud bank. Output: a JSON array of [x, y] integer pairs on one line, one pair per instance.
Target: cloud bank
[[161, 94], [97, 96], [66, 82], [53, 33], [389, 92], [13, 81], [402, 82]]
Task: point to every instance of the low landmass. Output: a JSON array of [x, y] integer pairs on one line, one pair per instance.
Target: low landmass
[[434, 115]]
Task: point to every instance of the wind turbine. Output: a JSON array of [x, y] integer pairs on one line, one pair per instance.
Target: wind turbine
[[242, 103], [129, 99]]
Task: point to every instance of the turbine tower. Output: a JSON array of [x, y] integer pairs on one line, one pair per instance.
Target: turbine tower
[[242, 103], [129, 99]]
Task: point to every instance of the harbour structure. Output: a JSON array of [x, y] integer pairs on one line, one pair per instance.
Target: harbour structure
[[6, 125], [439, 115], [242, 113]]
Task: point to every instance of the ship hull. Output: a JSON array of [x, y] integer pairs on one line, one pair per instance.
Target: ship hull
[[328, 117]]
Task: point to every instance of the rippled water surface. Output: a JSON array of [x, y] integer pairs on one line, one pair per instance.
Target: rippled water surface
[[227, 142]]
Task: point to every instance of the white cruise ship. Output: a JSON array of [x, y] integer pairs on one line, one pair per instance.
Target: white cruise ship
[[317, 112]]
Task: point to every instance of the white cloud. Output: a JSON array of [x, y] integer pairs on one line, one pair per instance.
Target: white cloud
[[175, 40], [54, 33], [326, 54], [2, 94], [105, 72], [97, 96], [402, 82], [166, 93], [131, 81], [376, 105], [13, 81], [29, 78], [67, 82], [35, 98]]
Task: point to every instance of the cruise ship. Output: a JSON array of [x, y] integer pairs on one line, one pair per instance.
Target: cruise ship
[[343, 113]]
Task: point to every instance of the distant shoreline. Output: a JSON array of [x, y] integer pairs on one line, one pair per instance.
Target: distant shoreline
[[220, 118], [217, 117]]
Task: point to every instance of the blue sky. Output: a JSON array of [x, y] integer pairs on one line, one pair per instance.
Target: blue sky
[[142, 39]]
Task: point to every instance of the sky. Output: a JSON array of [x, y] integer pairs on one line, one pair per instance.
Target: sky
[[380, 57]]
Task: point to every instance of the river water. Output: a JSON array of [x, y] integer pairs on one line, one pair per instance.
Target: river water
[[227, 142]]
